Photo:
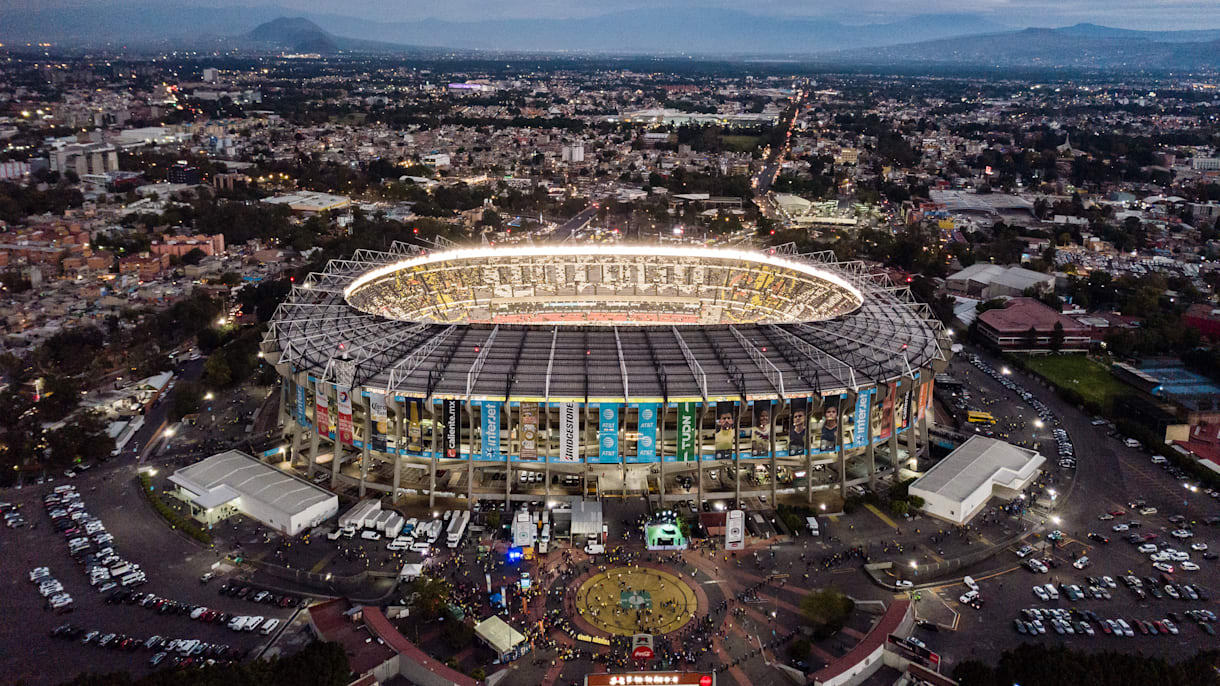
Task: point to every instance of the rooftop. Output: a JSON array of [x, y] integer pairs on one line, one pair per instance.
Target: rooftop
[[224, 476], [1022, 313], [977, 462]]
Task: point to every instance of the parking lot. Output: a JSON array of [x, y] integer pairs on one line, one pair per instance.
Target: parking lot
[[172, 565], [1110, 477]]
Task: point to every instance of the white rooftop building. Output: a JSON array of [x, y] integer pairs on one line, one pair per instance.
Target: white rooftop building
[[957, 487], [227, 483]]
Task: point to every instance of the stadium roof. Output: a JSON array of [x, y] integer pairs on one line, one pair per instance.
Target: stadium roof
[[316, 330]]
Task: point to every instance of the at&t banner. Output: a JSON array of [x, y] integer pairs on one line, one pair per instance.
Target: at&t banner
[[646, 444], [607, 433]]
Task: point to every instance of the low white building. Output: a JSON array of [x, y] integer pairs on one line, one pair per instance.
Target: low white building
[[959, 486], [233, 482]]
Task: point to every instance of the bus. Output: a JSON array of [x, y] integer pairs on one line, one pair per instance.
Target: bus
[[980, 418], [457, 528]]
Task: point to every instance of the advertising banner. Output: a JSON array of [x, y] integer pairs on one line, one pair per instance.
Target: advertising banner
[[688, 433], [901, 417], [798, 427], [344, 394], [321, 410], [569, 432], [453, 429], [302, 419], [888, 405], [860, 419], [646, 445], [726, 429], [529, 432], [491, 430], [829, 426], [922, 402], [607, 433], [760, 430], [927, 401], [415, 433], [381, 420]]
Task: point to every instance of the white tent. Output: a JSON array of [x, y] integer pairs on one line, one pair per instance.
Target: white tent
[[499, 636]]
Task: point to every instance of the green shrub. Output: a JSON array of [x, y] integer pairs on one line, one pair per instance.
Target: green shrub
[[169, 514]]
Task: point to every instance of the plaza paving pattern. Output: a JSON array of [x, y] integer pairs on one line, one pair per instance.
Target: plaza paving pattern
[[635, 599]]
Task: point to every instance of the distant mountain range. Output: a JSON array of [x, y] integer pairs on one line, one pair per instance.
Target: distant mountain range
[[941, 39], [1084, 46]]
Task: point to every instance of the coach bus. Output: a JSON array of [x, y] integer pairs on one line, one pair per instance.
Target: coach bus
[[980, 418]]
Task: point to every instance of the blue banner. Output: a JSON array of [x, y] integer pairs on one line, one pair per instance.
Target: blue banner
[[646, 445], [491, 430], [607, 433], [301, 418], [864, 402]]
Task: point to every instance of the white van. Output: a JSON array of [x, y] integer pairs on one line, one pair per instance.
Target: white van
[[1131, 443], [1051, 591], [970, 583], [252, 623], [334, 535], [595, 549], [269, 626], [812, 524], [370, 535], [1159, 459]]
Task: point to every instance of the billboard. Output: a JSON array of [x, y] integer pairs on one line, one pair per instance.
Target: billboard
[[859, 420], [381, 420], [529, 431], [415, 434], [569, 432], [491, 430], [760, 429], [688, 433], [798, 426], [302, 419], [828, 425], [607, 433], [452, 447], [344, 395], [321, 410], [646, 445], [726, 429], [735, 530]]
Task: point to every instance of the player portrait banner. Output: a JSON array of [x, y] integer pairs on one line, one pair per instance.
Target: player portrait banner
[[688, 433], [302, 419], [830, 425], [888, 405], [344, 394], [607, 433], [646, 445], [760, 430], [415, 432], [321, 410], [529, 431], [569, 432], [453, 429], [726, 429], [798, 427], [381, 420], [491, 430]]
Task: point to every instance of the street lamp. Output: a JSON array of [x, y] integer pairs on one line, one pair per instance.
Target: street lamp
[[208, 395], [1005, 371], [1056, 520]]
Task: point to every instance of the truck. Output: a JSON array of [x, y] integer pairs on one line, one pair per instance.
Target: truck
[[812, 524], [457, 528]]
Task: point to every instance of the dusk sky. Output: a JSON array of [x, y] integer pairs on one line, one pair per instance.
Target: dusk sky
[[1143, 14]]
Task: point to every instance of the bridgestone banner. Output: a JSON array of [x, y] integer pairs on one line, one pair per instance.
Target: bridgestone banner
[[321, 410], [381, 421], [344, 395], [491, 430], [688, 433], [569, 432], [646, 445], [453, 429], [529, 431]]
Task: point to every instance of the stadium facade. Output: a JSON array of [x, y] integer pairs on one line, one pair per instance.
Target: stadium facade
[[526, 371]]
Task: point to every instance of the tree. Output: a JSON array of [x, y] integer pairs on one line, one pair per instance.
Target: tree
[[826, 610], [216, 370], [432, 596], [193, 256], [1031, 338], [1057, 337]]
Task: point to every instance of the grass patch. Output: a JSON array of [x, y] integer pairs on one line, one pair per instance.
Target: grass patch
[[741, 143], [1078, 375]]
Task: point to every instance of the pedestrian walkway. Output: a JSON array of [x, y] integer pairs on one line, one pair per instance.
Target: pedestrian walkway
[[881, 515]]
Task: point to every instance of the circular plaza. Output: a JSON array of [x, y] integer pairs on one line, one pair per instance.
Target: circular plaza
[[623, 601]]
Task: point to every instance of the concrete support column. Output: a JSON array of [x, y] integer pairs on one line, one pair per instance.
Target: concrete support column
[[924, 436], [367, 404], [736, 460], [659, 445], [294, 449], [841, 454], [775, 409], [397, 407], [809, 473], [545, 454]]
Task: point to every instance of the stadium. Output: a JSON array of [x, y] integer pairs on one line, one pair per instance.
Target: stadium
[[596, 369]]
